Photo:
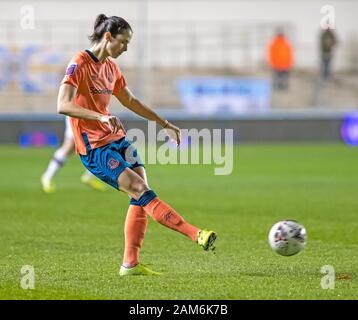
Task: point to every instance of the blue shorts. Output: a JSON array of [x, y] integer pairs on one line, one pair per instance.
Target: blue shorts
[[109, 161]]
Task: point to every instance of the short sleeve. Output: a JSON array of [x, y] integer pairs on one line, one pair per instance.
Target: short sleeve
[[74, 73], [120, 82]]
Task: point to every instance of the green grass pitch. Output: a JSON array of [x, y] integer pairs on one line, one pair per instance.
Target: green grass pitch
[[74, 238]]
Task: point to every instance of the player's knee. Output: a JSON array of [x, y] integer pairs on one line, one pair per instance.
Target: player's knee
[[138, 188]]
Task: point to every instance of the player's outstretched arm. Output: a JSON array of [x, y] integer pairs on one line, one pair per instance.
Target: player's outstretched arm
[[127, 99], [66, 106]]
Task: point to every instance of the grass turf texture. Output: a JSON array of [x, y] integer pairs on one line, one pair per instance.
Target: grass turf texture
[[74, 238]]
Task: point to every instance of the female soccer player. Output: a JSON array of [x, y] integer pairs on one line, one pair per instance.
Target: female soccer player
[[58, 160], [91, 78]]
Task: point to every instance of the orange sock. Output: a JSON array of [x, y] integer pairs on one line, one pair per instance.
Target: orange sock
[[167, 216], [134, 231]]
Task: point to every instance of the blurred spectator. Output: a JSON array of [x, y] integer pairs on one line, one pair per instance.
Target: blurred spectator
[[280, 56], [328, 41]]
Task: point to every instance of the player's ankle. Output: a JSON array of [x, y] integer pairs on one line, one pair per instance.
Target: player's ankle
[[129, 265]]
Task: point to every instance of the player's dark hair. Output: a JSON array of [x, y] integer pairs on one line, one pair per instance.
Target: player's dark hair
[[115, 25]]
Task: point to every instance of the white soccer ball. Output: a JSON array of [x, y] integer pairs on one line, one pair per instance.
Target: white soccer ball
[[287, 237]]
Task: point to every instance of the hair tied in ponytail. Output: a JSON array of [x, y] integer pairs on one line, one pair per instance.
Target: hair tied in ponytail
[[114, 25]]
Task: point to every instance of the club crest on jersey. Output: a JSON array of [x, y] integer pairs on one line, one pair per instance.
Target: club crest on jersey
[[71, 69], [110, 78], [113, 163]]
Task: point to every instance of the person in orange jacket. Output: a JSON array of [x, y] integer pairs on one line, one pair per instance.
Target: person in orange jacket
[[280, 56]]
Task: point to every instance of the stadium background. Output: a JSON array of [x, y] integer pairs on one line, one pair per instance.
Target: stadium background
[[312, 176], [175, 40]]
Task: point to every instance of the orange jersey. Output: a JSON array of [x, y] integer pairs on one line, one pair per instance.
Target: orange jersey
[[96, 82]]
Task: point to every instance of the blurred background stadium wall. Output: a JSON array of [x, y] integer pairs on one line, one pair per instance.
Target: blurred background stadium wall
[[201, 63]]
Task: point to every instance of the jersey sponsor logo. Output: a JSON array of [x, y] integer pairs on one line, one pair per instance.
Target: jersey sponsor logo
[[71, 69], [113, 163], [100, 91]]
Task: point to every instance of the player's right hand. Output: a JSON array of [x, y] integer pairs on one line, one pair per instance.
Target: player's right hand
[[114, 123], [173, 132]]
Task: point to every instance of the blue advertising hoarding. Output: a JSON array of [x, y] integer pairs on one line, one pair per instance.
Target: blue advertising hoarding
[[210, 95]]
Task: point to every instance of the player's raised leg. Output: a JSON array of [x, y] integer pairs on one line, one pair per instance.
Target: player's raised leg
[[160, 211]]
